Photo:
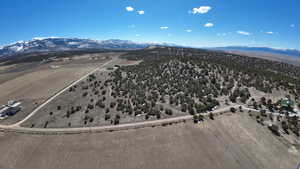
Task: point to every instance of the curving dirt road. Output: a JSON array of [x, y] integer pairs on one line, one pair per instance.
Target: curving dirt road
[[17, 128], [101, 68]]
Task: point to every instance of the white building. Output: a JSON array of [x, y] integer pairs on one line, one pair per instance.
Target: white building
[[10, 109]]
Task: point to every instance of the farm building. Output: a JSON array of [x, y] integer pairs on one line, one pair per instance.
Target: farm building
[[10, 109], [287, 104]]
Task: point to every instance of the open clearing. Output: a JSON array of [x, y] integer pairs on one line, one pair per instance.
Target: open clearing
[[33, 84], [230, 142]]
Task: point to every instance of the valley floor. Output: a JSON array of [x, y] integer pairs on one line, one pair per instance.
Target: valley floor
[[34, 83], [231, 141]]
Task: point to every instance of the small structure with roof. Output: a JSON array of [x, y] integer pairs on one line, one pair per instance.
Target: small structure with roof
[[10, 109], [287, 104]]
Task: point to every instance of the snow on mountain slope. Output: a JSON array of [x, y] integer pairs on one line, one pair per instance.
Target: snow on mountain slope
[[63, 44]]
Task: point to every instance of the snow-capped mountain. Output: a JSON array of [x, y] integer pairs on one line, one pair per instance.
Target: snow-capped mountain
[[64, 44]]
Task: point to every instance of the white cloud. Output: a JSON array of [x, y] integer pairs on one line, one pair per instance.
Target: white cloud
[[164, 27], [243, 33], [201, 10], [270, 33], [129, 8], [141, 12], [292, 25], [188, 30], [137, 35], [208, 25]]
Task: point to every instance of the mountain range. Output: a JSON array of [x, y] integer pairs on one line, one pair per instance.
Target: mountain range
[[55, 44]]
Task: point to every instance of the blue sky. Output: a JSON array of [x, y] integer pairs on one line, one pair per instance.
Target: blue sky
[[199, 23]]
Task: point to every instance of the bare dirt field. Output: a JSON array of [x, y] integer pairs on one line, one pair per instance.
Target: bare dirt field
[[33, 83], [230, 142], [83, 116]]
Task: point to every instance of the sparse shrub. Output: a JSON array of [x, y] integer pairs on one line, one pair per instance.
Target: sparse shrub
[[184, 108], [78, 108], [84, 94], [107, 117], [112, 104], [241, 108], [96, 92], [275, 129], [196, 118], [232, 109], [100, 104], [90, 106], [68, 114], [263, 113], [211, 116], [169, 112], [147, 117], [117, 120], [161, 108], [201, 117], [158, 115], [72, 110], [191, 111]]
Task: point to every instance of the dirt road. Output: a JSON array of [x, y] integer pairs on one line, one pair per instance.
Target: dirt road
[[17, 128], [59, 93]]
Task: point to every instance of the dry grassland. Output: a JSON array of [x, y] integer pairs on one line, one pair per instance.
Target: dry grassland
[[229, 142]]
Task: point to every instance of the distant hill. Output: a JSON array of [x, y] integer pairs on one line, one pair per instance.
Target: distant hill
[[290, 52], [290, 56], [39, 47], [53, 44]]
